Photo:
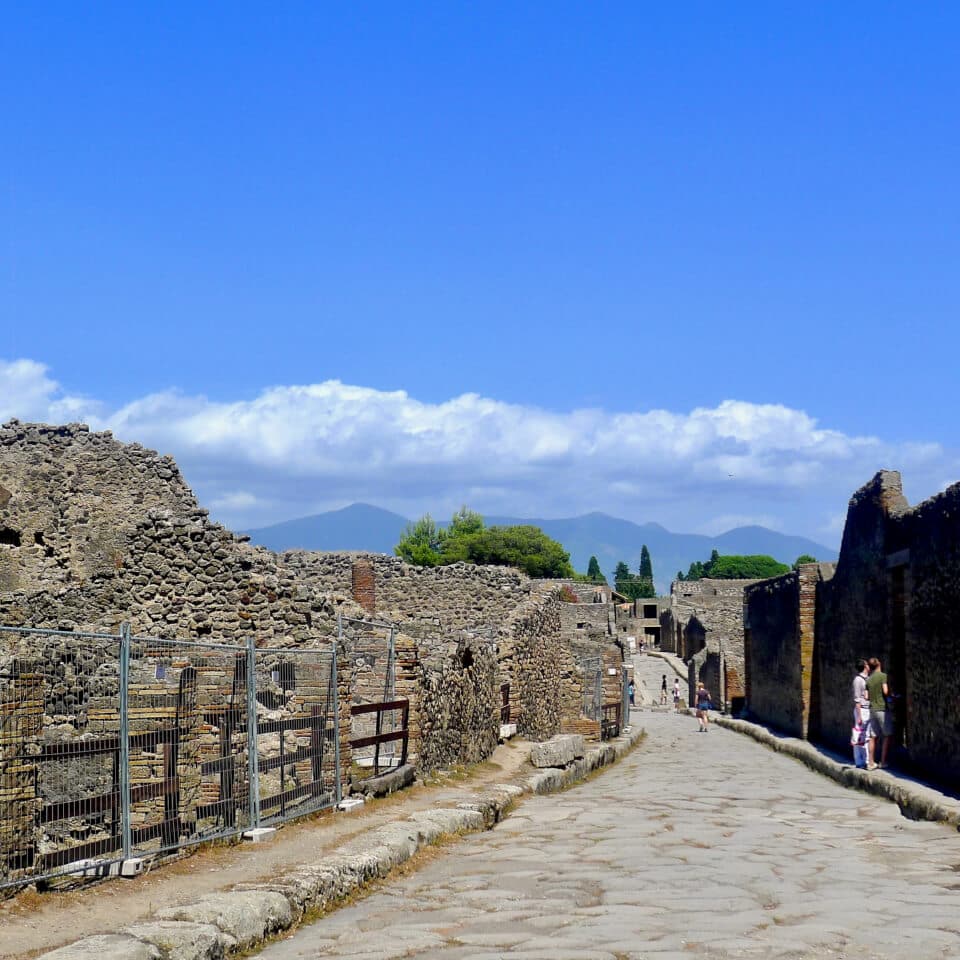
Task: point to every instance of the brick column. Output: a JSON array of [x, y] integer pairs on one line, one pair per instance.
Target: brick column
[[364, 585]]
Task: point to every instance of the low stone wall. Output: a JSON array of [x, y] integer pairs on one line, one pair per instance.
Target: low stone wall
[[455, 597]]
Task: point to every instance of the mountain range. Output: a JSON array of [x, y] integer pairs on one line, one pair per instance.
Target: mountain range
[[610, 539]]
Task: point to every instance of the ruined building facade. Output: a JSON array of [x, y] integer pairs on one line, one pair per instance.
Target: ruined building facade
[[703, 625], [894, 593]]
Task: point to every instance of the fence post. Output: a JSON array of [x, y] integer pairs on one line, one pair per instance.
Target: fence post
[[253, 758], [625, 696], [338, 793], [124, 744]]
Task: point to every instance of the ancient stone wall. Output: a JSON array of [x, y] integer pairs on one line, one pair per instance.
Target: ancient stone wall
[[457, 701], [455, 597], [69, 500], [780, 616], [854, 607], [925, 617], [895, 594], [585, 592], [708, 615], [580, 620], [94, 533]]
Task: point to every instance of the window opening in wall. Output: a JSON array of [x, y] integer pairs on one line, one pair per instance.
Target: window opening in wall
[[466, 658], [9, 537], [649, 611]]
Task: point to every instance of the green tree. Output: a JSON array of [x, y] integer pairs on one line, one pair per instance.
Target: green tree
[[467, 540], [750, 567], [646, 564], [594, 573], [525, 547], [421, 543], [465, 525], [632, 585], [803, 558]]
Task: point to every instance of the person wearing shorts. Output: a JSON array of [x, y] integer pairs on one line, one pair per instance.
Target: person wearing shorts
[[676, 695], [702, 701], [881, 719]]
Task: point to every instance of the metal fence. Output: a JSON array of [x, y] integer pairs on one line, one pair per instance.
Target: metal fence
[[115, 747], [591, 671], [378, 718]]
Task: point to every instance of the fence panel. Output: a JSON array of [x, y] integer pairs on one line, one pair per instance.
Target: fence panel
[[370, 646], [60, 799], [591, 671], [296, 731], [187, 746], [114, 746]]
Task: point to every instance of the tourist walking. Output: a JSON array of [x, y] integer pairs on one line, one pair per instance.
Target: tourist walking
[[881, 718], [631, 692], [676, 695], [703, 705], [663, 690]]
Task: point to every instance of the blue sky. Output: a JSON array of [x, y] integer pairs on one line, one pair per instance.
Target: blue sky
[[692, 263]]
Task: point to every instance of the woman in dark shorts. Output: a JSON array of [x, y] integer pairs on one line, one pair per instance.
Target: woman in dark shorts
[[702, 703]]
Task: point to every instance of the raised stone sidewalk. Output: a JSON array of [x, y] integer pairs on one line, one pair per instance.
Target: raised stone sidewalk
[[916, 800], [237, 920]]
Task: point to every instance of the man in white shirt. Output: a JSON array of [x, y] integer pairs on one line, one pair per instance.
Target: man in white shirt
[[861, 705]]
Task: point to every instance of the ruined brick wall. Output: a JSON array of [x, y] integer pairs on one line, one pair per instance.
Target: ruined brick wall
[[455, 597], [708, 615], [458, 702], [773, 624], [929, 617], [110, 532], [894, 594], [69, 500], [580, 620], [780, 616], [853, 608]]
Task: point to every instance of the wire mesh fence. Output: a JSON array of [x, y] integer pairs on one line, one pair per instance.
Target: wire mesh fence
[[591, 672], [376, 738], [115, 747]]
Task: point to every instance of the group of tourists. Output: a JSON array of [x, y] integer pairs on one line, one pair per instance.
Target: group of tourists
[[872, 715]]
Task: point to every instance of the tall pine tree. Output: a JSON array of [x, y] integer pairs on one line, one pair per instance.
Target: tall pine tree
[[594, 572], [646, 564]]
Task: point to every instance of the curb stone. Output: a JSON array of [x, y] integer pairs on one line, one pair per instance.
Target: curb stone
[[217, 925], [915, 800]]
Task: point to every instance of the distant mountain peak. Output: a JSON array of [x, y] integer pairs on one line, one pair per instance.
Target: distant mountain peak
[[366, 527]]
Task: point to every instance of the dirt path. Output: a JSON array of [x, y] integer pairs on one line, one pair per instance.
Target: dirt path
[[33, 923]]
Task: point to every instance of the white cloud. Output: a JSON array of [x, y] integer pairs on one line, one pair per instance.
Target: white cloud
[[235, 500], [311, 447]]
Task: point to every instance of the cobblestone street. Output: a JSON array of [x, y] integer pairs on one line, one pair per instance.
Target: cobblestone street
[[696, 846]]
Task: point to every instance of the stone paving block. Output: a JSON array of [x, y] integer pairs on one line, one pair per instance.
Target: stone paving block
[[180, 940], [246, 915], [110, 946], [555, 752]]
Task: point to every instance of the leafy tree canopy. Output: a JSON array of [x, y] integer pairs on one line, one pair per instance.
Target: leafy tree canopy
[[467, 540], [803, 558], [735, 567], [420, 543], [631, 585]]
